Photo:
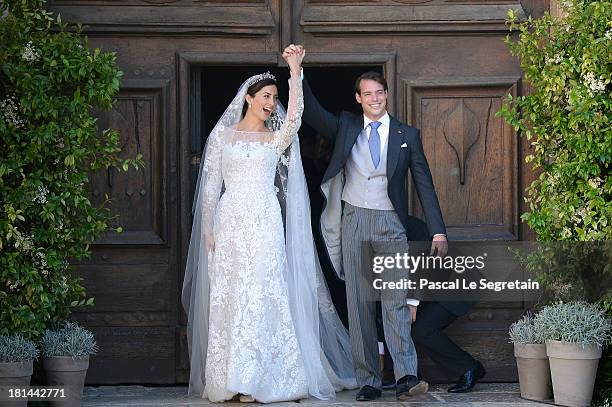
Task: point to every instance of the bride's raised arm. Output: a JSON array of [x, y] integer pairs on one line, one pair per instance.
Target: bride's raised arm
[[293, 121], [294, 54]]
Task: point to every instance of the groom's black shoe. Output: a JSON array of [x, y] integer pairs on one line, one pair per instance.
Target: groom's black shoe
[[409, 386], [368, 393], [468, 380]]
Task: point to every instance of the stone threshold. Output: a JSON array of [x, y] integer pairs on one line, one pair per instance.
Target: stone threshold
[[484, 394]]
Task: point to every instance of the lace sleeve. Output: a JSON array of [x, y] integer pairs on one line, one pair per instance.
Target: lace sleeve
[[213, 183], [284, 136]]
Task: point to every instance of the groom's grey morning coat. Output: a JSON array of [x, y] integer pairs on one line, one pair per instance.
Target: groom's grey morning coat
[[404, 152]]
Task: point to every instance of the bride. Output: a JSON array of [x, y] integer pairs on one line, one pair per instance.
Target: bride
[[261, 324]]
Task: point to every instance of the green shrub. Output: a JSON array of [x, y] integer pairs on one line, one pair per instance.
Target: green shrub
[[571, 271], [50, 82], [603, 385], [567, 118]]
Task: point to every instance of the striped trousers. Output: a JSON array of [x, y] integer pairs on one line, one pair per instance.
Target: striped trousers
[[367, 233]]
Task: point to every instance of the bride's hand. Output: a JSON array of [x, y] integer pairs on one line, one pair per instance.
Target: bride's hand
[[209, 243], [294, 54], [288, 51]]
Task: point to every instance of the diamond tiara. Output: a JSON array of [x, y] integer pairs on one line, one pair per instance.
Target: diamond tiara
[[261, 77]]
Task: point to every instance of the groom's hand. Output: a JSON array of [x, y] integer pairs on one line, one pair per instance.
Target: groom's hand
[[413, 312], [439, 246], [290, 50]]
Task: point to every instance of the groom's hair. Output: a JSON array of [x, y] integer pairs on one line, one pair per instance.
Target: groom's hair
[[372, 75]]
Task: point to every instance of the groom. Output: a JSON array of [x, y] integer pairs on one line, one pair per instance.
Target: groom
[[365, 206]]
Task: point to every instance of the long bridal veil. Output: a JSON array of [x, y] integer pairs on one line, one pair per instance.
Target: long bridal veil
[[323, 340]]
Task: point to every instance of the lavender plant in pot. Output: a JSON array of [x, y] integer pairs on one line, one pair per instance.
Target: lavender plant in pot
[[575, 334], [531, 359], [66, 354], [17, 355]]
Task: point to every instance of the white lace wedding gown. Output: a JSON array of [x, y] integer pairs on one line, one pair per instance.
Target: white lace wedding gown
[[252, 343]]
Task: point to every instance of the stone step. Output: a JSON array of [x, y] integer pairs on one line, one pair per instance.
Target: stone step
[[484, 394]]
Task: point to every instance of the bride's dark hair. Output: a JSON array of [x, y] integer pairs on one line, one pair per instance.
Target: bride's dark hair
[[256, 87]]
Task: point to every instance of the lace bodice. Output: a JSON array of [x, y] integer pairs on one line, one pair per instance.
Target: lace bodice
[[248, 160], [259, 158]]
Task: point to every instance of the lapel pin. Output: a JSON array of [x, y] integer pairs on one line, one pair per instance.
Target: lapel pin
[[399, 132]]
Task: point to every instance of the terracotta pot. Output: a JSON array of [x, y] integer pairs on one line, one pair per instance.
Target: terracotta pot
[[69, 373], [16, 375], [573, 369], [534, 371]]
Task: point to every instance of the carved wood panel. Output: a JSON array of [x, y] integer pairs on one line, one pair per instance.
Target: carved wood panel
[[472, 154], [128, 295], [133, 321], [392, 17], [248, 17], [484, 334], [133, 355], [136, 195]]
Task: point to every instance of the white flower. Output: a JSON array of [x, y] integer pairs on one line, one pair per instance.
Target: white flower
[[10, 111], [557, 59], [12, 286], [41, 194], [566, 232], [580, 215], [29, 53], [594, 182], [23, 241], [40, 259], [554, 179], [594, 85], [45, 272], [608, 34]]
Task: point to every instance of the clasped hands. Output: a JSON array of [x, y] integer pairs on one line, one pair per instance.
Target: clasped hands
[[293, 55]]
